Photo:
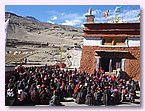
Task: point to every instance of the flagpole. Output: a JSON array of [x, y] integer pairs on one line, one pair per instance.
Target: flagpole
[[61, 54], [138, 17], [117, 12]]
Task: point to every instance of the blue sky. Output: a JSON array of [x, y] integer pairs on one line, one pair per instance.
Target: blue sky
[[74, 15]]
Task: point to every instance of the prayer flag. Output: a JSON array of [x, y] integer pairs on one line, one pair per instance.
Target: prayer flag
[[117, 9], [106, 14]]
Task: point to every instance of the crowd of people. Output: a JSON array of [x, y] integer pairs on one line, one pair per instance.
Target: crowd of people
[[50, 86]]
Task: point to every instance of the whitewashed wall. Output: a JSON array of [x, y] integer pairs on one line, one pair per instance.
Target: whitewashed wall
[[92, 41], [133, 42], [76, 58]]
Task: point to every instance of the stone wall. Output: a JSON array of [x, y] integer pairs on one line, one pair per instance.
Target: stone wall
[[132, 66]]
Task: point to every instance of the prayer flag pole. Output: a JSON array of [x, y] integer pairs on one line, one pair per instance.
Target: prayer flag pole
[[61, 53]]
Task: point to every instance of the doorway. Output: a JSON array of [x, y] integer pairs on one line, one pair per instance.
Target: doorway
[[105, 64], [110, 64], [116, 63]]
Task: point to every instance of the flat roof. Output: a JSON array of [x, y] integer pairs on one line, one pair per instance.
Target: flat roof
[[111, 51]]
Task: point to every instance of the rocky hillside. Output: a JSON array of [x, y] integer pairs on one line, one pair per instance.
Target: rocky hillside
[[30, 31], [29, 34]]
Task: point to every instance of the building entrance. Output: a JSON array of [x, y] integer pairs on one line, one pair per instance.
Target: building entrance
[[105, 64], [110, 64]]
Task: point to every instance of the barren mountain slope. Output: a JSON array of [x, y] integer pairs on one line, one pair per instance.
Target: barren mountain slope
[[27, 34]]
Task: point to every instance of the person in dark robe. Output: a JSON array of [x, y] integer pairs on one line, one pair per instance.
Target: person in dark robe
[[115, 97], [98, 96], [44, 99], [132, 95], [22, 97], [107, 97], [11, 96], [137, 86], [90, 99], [34, 94], [81, 96], [60, 93], [70, 88], [55, 99]]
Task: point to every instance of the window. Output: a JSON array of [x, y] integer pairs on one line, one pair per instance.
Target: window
[[120, 41], [107, 42], [113, 41]]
